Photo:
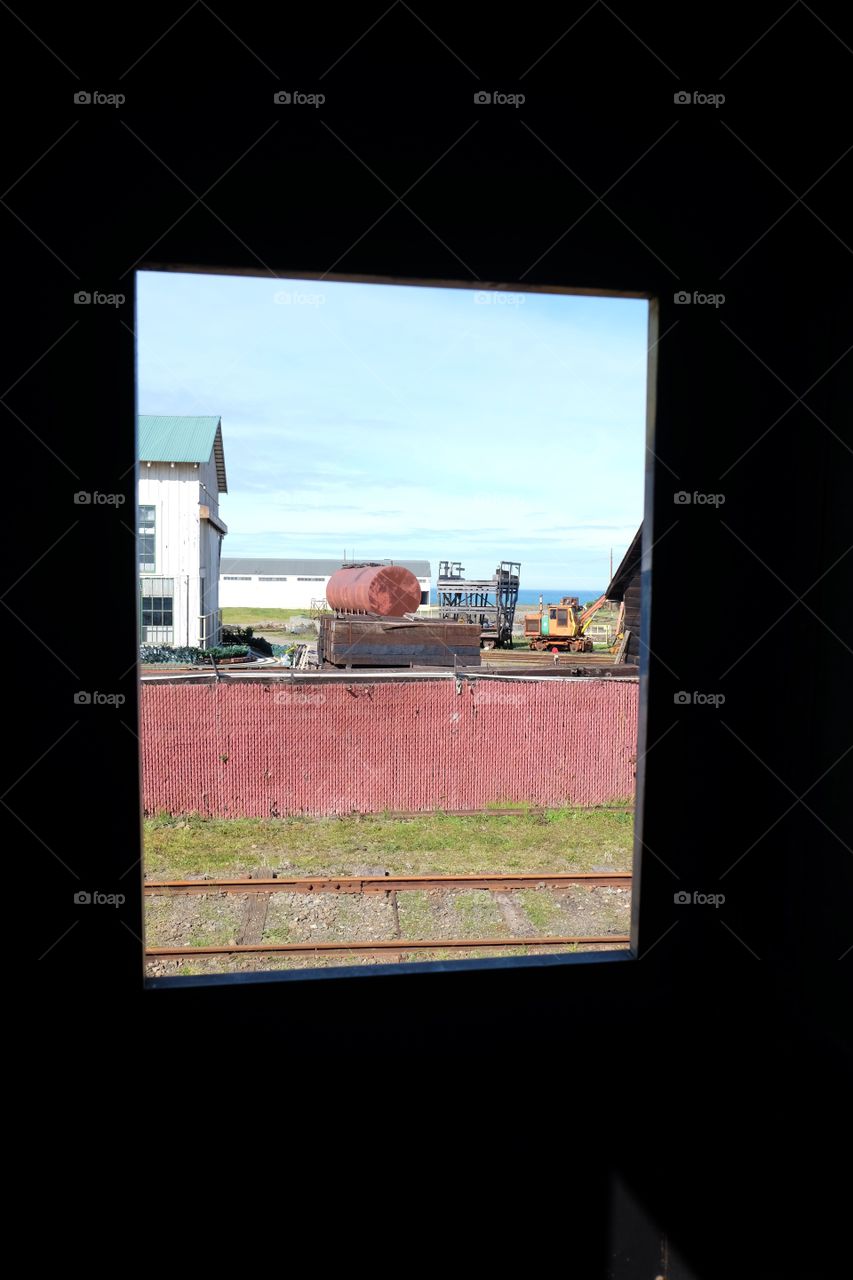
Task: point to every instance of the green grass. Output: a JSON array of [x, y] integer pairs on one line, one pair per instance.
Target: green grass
[[280, 933], [541, 909], [569, 839], [239, 616], [209, 927], [416, 917], [479, 914]]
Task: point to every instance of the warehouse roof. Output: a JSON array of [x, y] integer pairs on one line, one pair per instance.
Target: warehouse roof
[[257, 566], [182, 438]]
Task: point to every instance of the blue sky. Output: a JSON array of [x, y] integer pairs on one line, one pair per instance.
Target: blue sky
[[407, 422]]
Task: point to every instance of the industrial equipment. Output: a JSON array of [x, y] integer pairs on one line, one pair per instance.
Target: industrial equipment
[[389, 590], [561, 627], [373, 622], [487, 602]]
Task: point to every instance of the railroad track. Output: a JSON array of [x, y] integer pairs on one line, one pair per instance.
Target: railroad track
[[397, 947], [388, 886]]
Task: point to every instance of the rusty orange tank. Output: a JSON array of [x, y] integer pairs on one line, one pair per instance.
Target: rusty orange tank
[[388, 590]]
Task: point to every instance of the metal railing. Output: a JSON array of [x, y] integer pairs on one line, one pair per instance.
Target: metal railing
[[209, 629]]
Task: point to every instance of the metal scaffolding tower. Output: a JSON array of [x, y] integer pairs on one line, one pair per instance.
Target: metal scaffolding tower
[[489, 602]]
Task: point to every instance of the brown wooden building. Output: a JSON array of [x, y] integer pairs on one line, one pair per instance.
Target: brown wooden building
[[626, 587]]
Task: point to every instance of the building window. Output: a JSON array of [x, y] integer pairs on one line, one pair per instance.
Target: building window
[[147, 540], [156, 613]]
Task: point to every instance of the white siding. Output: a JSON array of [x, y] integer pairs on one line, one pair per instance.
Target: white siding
[[210, 547], [252, 591], [186, 547]]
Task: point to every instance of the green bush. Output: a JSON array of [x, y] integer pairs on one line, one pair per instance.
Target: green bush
[[245, 635], [186, 655]]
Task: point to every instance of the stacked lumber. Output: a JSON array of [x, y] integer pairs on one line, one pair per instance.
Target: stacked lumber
[[397, 642]]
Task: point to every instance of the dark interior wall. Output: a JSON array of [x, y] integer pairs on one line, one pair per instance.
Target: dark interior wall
[[600, 180]]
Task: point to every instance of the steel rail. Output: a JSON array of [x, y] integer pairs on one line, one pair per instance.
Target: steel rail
[[397, 947], [388, 884]]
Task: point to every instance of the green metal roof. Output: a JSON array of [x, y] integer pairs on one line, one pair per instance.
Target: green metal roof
[[182, 438]]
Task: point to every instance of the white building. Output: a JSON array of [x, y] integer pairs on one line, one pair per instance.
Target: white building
[[256, 583], [181, 475]]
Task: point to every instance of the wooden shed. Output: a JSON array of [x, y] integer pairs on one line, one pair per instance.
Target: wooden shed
[[626, 587]]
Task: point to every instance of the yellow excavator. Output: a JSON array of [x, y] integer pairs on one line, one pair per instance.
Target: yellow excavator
[[561, 627]]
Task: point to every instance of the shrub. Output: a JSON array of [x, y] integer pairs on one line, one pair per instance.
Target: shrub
[[186, 655]]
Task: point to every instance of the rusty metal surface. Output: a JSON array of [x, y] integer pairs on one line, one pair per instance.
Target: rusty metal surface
[[529, 811], [388, 590], [397, 947], [388, 884]]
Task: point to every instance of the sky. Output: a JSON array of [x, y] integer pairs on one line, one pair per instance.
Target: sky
[[403, 422]]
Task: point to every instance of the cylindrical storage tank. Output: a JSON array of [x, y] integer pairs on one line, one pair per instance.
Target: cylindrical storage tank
[[386, 589]]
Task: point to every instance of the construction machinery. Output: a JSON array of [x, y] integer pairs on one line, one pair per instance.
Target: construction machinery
[[561, 627]]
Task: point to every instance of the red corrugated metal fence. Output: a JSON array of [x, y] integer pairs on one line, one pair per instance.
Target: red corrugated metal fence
[[253, 749]]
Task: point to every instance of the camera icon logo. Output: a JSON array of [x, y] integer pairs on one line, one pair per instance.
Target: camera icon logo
[[482, 97], [682, 698], [682, 498], [82, 97], [282, 97], [681, 898], [82, 898], [82, 498], [681, 98], [82, 298], [681, 298], [82, 699]]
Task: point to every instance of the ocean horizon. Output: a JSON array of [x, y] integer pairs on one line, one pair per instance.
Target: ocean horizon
[[550, 595]]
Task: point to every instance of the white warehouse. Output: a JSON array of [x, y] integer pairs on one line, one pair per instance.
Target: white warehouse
[[181, 475], [256, 583]]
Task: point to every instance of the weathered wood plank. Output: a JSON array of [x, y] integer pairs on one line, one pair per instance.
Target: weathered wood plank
[[398, 642]]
